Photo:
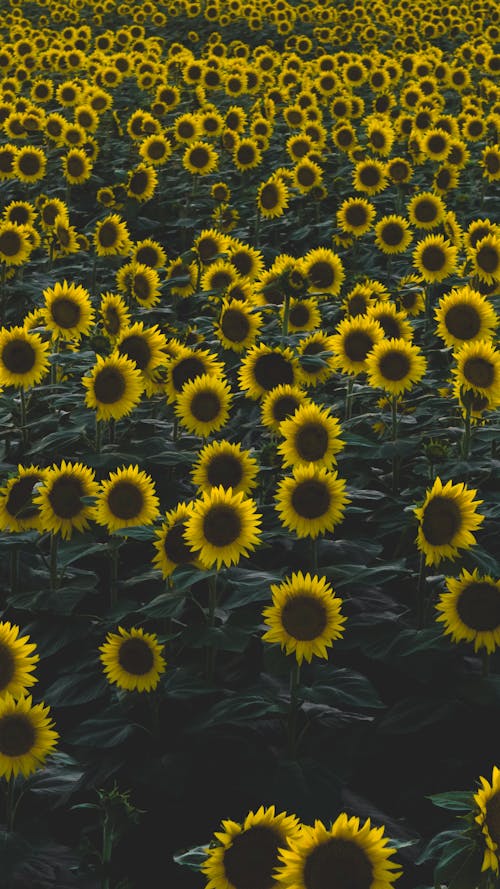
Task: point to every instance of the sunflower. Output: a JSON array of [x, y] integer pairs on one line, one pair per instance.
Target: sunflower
[[155, 149], [142, 182], [354, 340], [369, 176], [144, 284], [203, 405], [487, 800], [142, 345], [312, 437], [316, 356], [30, 164], [27, 736], [200, 158], [324, 271], [355, 216], [127, 498], [7, 157], [399, 170], [311, 501], [114, 387], [62, 498], [50, 210], [435, 258], [470, 610], [303, 315], [114, 313], [394, 324], [68, 311], [426, 210], [280, 403], [446, 520], [248, 262], [392, 234], [305, 616], [478, 369], [171, 547], [15, 243], [486, 259], [223, 527], [490, 161], [132, 659], [17, 511], [307, 174], [344, 855], [150, 253], [464, 315], [111, 237], [246, 855], [186, 366], [264, 367], [23, 358], [77, 167], [219, 275], [435, 143], [210, 245], [20, 213], [395, 365], [227, 465], [272, 197], [17, 662], [246, 154], [238, 325]]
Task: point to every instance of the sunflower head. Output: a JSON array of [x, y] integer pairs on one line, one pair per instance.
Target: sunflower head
[[132, 659], [447, 518]]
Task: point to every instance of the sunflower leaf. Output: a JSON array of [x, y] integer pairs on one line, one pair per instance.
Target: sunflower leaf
[[454, 800]]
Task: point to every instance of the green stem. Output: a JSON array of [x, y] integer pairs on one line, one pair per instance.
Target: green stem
[[420, 592], [485, 657], [93, 276], [107, 852], [14, 569], [98, 435], [211, 650], [395, 458], [23, 421], [465, 446], [257, 230], [53, 561], [286, 316], [3, 281], [348, 398], [314, 555], [114, 544], [293, 711]]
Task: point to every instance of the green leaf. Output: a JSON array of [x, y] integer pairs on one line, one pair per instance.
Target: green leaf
[[193, 858], [454, 800], [108, 731], [76, 688], [415, 713], [437, 844], [242, 709], [342, 687], [453, 858]]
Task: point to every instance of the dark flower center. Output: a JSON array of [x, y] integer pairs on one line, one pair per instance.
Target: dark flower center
[[109, 385], [369, 176], [338, 864], [272, 369], [6, 160], [205, 406], [443, 178], [270, 196], [135, 656], [378, 139], [357, 345], [251, 858], [17, 735], [157, 149], [398, 170], [304, 617], [284, 407], [19, 215], [112, 320], [311, 441], [394, 365], [10, 243], [479, 372], [235, 325], [299, 315], [246, 154], [7, 666], [306, 176], [174, 545], [29, 163], [390, 326], [311, 499], [139, 182], [220, 279], [242, 262], [125, 500], [357, 305], [108, 234], [199, 157], [478, 606], [392, 233], [493, 817], [301, 147], [18, 356], [137, 349], [147, 256], [141, 286], [221, 525], [225, 470], [345, 137], [475, 127], [433, 257], [18, 502], [441, 521], [356, 215], [463, 321], [75, 166], [436, 144], [488, 258], [322, 274], [425, 210], [66, 313], [65, 497], [492, 162], [186, 370]]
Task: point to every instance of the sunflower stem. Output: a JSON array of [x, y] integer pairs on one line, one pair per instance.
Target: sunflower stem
[[294, 710], [485, 657], [465, 444], [348, 398], [3, 280], [286, 316], [395, 458], [98, 435], [107, 850], [211, 651], [420, 592], [314, 554], [112, 430], [114, 543], [93, 276], [14, 569], [23, 418], [53, 561]]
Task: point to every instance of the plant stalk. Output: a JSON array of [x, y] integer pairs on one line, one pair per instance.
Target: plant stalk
[[293, 711]]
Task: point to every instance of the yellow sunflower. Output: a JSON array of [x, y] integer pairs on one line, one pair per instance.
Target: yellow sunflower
[[435, 258], [356, 856], [369, 176], [272, 197], [17, 510], [316, 358], [487, 800], [246, 855], [150, 253], [170, 544], [280, 403], [264, 367], [324, 271], [200, 158], [395, 365], [426, 210], [392, 234], [114, 387], [27, 736], [470, 610], [77, 167], [305, 616], [224, 464], [204, 404], [312, 436], [15, 243], [478, 368], [394, 323], [144, 346], [464, 315], [446, 521], [126, 499], [68, 311], [111, 237], [223, 527], [238, 325], [61, 497], [353, 342], [142, 182], [311, 501], [17, 661], [30, 164], [132, 659], [486, 259], [114, 313], [186, 366], [23, 358]]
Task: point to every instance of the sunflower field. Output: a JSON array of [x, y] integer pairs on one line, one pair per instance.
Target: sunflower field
[[250, 444]]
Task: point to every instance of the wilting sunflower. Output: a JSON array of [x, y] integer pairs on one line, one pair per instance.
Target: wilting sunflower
[[223, 527], [170, 544], [27, 736], [426, 210], [324, 271], [478, 368], [142, 182], [486, 259], [61, 498], [238, 325], [311, 501], [446, 521], [23, 358], [435, 258], [312, 437], [224, 464], [247, 854], [464, 315], [264, 367], [392, 234], [133, 659], [114, 313], [470, 610], [353, 342], [344, 855], [203, 405], [305, 616], [17, 661], [487, 800], [111, 237], [395, 365], [186, 366], [68, 311], [17, 510], [114, 387], [200, 158], [15, 243], [127, 498], [272, 197]]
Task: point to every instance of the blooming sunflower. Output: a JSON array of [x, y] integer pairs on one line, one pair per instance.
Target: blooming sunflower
[[486, 259], [353, 342], [264, 367], [307, 174], [200, 158], [369, 176], [446, 521], [247, 854], [114, 387], [487, 800], [470, 610], [395, 365], [392, 234], [186, 366], [150, 253], [478, 368], [170, 544], [142, 182], [223, 527], [155, 149], [272, 197], [133, 659], [435, 258], [280, 403], [464, 315], [394, 323], [227, 465], [27, 736], [324, 271], [203, 405], [238, 325], [77, 167], [144, 346], [316, 358], [23, 358], [17, 661], [312, 436], [305, 616], [344, 855], [15, 243], [60, 498], [114, 313], [68, 311], [30, 164], [311, 501], [111, 237], [127, 498], [17, 510], [426, 210]]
